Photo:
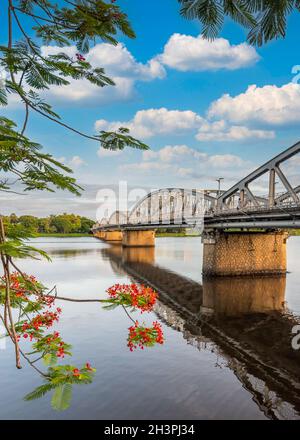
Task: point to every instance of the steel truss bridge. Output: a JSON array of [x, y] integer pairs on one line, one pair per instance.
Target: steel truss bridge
[[268, 198]]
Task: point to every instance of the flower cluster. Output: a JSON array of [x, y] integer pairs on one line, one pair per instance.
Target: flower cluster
[[52, 345], [87, 368], [19, 287], [41, 321], [137, 297], [140, 336], [133, 295]]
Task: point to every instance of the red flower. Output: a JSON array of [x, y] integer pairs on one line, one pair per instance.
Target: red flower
[[133, 295], [76, 372], [144, 336], [88, 366]]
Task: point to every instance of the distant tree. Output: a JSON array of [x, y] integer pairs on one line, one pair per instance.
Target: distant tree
[[86, 225], [75, 220], [13, 218], [266, 20], [44, 225], [29, 222], [62, 224]]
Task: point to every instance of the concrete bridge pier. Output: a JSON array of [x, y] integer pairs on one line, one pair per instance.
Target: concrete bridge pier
[[244, 253], [138, 238], [113, 236], [102, 235], [99, 234]]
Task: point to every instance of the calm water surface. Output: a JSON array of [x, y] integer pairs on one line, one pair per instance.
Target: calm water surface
[[227, 352]]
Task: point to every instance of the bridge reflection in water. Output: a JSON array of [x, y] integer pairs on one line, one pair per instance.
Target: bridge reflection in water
[[244, 320]]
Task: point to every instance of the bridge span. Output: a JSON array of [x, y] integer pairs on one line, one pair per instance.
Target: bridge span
[[244, 229]]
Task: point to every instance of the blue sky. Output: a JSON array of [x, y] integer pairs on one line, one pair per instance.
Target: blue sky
[[189, 100]]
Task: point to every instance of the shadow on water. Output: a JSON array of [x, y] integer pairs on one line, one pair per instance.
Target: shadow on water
[[245, 320]]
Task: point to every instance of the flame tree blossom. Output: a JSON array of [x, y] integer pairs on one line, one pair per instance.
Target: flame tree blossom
[[137, 297], [140, 336], [132, 295]]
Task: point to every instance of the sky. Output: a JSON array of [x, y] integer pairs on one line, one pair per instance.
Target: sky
[[206, 109]]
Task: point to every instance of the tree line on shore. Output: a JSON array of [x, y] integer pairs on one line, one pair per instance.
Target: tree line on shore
[[62, 223]]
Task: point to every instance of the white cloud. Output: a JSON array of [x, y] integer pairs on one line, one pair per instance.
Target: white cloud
[[81, 91], [102, 152], [269, 104], [220, 131], [76, 162], [146, 166], [118, 61], [184, 161], [224, 161], [148, 123], [187, 53], [153, 122], [119, 64], [173, 153]]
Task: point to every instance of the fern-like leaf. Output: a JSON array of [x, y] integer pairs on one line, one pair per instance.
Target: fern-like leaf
[[62, 397]]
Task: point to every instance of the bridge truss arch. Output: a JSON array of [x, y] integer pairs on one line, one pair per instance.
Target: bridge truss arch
[[118, 218], [241, 197], [172, 206]]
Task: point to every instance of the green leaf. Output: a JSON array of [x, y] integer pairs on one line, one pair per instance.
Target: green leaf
[[119, 140], [111, 307], [62, 397], [39, 391], [50, 359]]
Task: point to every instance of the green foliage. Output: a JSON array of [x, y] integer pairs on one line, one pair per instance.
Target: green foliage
[[81, 22], [86, 225], [50, 359], [120, 139], [61, 379], [26, 226], [62, 224], [62, 397], [24, 160], [29, 222], [15, 248], [265, 19], [39, 391]]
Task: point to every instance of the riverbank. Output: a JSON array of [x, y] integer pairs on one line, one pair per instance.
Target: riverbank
[[175, 234]]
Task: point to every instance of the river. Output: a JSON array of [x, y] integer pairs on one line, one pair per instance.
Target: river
[[227, 353]]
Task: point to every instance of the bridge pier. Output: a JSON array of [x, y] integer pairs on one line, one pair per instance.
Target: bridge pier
[[113, 236], [138, 238], [99, 234], [244, 253]]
